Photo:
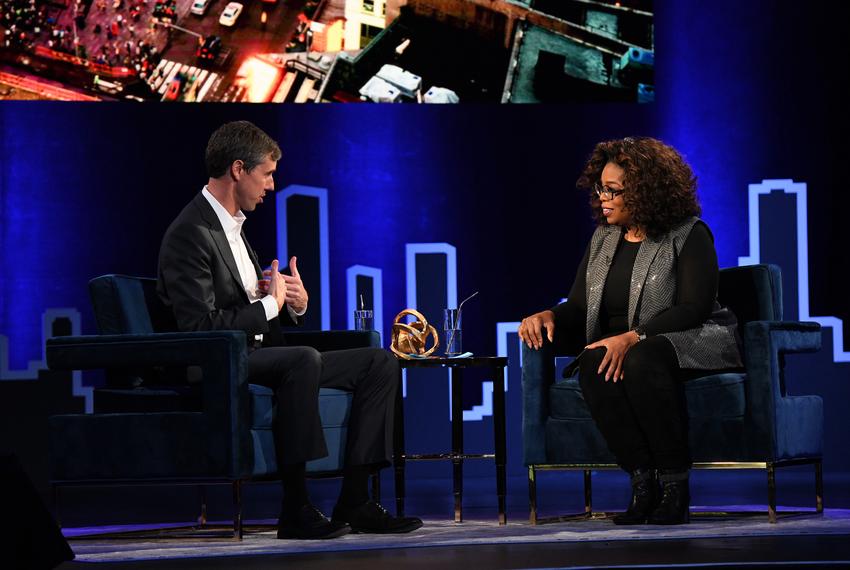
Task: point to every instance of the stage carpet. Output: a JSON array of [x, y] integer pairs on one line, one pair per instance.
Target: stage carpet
[[444, 533]]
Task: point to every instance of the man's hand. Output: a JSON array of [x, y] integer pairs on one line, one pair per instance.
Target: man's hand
[[296, 294], [616, 349], [277, 285], [530, 329]]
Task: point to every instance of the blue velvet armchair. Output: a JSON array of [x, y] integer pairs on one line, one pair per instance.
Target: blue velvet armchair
[[177, 407], [736, 420]]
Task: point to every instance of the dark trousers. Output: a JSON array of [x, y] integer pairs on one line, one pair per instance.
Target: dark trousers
[[642, 417], [297, 372]]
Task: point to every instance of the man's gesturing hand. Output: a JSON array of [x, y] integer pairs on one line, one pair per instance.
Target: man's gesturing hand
[[296, 294], [530, 329], [277, 285]]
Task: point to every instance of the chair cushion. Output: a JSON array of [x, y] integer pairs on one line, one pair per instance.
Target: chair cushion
[[334, 410], [335, 438], [265, 463], [129, 305], [566, 401], [262, 404], [576, 441], [716, 396], [119, 305], [719, 395], [571, 435], [715, 408], [334, 406]]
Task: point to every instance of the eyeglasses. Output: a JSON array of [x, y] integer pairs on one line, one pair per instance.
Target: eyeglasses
[[606, 193]]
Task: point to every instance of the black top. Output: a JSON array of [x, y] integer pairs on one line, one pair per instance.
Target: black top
[[614, 312], [696, 289]]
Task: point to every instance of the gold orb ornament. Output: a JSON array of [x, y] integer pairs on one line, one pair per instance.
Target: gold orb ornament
[[412, 338]]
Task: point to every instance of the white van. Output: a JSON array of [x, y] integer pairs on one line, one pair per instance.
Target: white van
[[199, 7]]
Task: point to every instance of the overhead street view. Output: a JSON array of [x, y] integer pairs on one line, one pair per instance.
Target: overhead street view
[[302, 51], [149, 50]]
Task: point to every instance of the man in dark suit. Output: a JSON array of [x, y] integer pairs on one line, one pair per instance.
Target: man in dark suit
[[211, 278]]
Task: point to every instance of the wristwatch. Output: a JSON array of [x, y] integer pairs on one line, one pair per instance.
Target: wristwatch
[[641, 334]]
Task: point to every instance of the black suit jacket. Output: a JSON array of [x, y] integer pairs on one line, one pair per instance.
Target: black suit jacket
[[199, 280]]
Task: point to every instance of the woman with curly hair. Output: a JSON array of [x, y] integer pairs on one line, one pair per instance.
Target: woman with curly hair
[[644, 309]]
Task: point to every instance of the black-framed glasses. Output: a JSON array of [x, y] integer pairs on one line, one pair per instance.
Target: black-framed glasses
[[606, 193]]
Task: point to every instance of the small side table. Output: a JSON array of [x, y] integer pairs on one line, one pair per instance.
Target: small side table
[[457, 455]]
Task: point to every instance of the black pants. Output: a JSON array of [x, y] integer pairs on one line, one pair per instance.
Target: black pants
[[642, 417], [297, 372]]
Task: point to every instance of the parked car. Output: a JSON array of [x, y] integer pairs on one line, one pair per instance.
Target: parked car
[[199, 7], [230, 14], [209, 50]]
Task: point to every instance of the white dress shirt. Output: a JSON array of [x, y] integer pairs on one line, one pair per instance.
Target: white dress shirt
[[232, 226]]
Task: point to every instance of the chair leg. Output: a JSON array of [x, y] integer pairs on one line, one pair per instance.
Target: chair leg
[[588, 494], [819, 486], [237, 509], [202, 496], [532, 495], [771, 493]]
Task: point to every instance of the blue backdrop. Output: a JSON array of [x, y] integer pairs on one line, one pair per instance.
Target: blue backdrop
[[747, 91]]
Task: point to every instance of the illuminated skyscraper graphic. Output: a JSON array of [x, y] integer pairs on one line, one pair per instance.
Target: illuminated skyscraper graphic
[[778, 225]]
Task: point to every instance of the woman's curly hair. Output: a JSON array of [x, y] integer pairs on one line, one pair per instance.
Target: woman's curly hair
[[660, 187]]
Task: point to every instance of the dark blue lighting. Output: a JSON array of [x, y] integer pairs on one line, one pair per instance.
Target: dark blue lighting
[[88, 189], [42, 228]]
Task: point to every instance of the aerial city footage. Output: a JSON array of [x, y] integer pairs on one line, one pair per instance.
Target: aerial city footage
[[304, 51]]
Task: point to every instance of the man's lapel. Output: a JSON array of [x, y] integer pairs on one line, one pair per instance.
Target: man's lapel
[[220, 240]]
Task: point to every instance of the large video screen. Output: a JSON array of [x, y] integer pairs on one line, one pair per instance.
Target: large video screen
[[346, 51]]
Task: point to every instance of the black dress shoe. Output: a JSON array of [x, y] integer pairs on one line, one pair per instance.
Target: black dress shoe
[[673, 508], [371, 517], [308, 523], [645, 497]]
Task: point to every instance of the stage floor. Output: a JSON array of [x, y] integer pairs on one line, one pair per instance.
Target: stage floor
[[482, 543]]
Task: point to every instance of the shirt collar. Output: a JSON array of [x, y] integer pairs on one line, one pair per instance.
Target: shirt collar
[[230, 224]]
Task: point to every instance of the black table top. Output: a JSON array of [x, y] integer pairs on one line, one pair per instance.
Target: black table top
[[441, 361]]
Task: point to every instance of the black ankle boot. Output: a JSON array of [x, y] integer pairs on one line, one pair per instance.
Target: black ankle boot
[[675, 498], [644, 498]]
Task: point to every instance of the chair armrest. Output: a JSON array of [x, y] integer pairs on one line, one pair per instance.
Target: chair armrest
[[765, 343], [538, 373], [126, 350], [784, 336], [222, 357], [333, 340]]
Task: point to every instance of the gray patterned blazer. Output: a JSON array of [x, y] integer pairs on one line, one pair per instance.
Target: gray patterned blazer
[[653, 289]]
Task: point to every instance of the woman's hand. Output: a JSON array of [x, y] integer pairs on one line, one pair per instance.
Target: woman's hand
[[616, 349], [530, 329]]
